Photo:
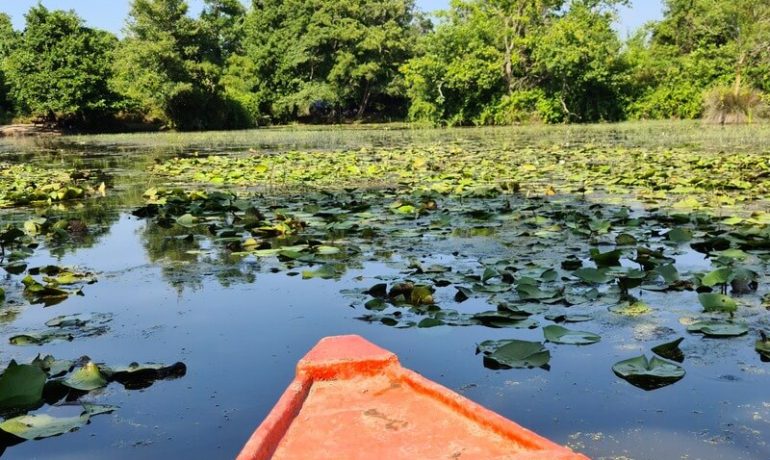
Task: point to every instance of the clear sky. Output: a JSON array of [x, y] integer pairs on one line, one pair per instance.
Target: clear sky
[[111, 14]]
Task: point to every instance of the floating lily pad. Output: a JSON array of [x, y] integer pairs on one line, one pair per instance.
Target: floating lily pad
[[21, 386], [718, 276], [592, 275], [558, 334], [718, 329], [648, 374], [515, 354], [87, 378], [670, 350], [31, 427], [717, 302]]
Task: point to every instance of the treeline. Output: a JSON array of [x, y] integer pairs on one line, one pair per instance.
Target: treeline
[[480, 62]]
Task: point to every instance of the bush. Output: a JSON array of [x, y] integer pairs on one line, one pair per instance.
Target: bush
[[524, 106], [681, 100], [730, 105]]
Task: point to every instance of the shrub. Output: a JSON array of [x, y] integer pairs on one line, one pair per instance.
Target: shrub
[[730, 105]]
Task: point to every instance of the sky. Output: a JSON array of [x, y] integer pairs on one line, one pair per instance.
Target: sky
[[112, 17]]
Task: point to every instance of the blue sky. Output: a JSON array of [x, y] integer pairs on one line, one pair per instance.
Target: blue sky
[[112, 17]]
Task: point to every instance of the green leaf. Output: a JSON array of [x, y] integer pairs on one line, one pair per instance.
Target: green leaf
[[21, 386], [606, 259], [670, 350], [679, 235], [648, 374], [31, 427], [717, 302], [718, 329], [87, 378], [558, 334], [718, 276], [592, 275], [518, 354], [430, 322], [186, 220]]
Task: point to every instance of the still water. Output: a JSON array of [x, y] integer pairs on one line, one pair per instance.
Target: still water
[[240, 328]]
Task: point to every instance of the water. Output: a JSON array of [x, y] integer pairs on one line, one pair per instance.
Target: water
[[240, 330]]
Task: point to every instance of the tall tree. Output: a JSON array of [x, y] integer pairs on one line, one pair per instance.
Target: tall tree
[[223, 22], [8, 38], [330, 55], [499, 61], [59, 68], [164, 68]]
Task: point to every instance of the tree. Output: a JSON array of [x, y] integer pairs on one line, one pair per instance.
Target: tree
[[166, 68], [8, 39], [700, 46], [59, 68], [577, 58], [503, 61], [325, 56], [222, 21]]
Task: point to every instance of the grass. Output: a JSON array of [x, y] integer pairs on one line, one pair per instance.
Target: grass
[[646, 134]]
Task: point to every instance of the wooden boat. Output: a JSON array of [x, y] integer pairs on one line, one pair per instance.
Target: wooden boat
[[353, 400]]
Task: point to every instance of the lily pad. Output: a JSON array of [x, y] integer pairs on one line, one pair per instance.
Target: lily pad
[[516, 354], [21, 386], [87, 378], [592, 275], [31, 427], [648, 374], [717, 302], [718, 276], [670, 350], [718, 329], [558, 334]]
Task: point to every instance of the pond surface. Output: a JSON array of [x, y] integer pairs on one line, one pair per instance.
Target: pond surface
[[240, 303]]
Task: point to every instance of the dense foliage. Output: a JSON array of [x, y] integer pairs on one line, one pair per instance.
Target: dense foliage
[[479, 62]]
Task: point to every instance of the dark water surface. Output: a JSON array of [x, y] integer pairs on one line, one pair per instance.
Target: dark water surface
[[241, 329]]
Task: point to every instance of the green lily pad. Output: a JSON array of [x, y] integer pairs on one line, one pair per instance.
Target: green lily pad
[[718, 329], [606, 259], [514, 354], [31, 427], [87, 378], [558, 334], [717, 302], [670, 350], [679, 235], [21, 386], [592, 275], [718, 276], [648, 374]]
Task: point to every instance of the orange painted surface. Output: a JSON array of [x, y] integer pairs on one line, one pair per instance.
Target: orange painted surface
[[352, 400]]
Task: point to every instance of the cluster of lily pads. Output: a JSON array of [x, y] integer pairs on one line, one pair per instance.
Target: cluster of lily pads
[[48, 396], [62, 386], [673, 176], [25, 184], [565, 257]]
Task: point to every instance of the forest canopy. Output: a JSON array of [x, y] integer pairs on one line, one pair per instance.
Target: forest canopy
[[481, 62]]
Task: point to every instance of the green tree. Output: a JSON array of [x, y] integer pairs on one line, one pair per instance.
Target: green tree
[[577, 58], [8, 38], [327, 55], [504, 61], [166, 68], [59, 68], [222, 21]]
